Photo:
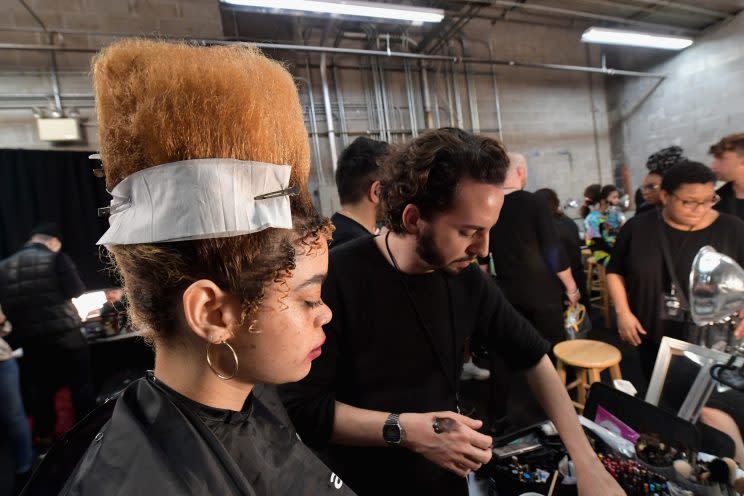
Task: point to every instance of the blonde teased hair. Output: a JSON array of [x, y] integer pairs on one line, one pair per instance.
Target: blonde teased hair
[[159, 102]]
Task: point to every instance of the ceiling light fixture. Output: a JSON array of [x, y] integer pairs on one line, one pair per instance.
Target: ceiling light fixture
[[634, 38], [386, 11]]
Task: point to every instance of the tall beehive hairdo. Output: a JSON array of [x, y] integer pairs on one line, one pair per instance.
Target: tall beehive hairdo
[[159, 102]]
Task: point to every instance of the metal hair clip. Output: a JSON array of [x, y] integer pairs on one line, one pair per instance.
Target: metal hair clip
[[292, 191], [95, 156], [112, 209]]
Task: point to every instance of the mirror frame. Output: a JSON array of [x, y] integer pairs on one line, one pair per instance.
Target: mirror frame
[[700, 389]]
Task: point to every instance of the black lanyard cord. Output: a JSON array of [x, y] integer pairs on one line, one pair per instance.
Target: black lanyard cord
[[451, 378]]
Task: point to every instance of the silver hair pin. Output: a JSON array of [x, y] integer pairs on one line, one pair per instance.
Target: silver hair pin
[[293, 191], [112, 209]]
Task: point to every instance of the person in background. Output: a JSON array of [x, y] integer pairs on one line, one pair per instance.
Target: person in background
[[113, 311], [530, 263], [568, 232], [12, 414], [358, 184], [637, 274], [728, 166], [591, 199], [37, 284], [600, 235], [650, 189], [639, 281], [658, 163]]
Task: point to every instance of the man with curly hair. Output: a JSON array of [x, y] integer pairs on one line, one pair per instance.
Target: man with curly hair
[[381, 401]]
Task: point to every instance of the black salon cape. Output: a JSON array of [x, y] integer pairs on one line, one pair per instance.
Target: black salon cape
[[156, 444]]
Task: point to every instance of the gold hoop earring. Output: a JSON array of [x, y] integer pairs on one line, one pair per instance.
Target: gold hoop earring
[[217, 372]]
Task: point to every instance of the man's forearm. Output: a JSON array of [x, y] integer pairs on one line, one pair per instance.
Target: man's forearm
[[552, 395], [354, 426]]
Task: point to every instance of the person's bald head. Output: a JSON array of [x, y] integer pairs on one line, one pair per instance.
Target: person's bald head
[[516, 176]]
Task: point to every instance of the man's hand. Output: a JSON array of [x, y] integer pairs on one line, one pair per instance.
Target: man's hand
[[458, 447], [593, 480], [629, 328]]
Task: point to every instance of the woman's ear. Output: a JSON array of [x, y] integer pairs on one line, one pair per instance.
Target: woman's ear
[[211, 313]]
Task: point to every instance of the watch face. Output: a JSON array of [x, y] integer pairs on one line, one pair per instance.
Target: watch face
[[391, 433]]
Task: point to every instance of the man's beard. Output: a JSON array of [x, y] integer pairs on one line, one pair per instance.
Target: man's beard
[[427, 251]]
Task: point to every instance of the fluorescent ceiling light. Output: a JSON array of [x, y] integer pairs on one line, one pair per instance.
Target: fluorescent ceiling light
[[349, 8], [634, 38]]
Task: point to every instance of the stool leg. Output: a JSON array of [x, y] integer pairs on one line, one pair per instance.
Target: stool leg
[[561, 371], [615, 372], [594, 376], [581, 387]]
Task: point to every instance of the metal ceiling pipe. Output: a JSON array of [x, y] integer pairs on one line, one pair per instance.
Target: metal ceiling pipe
[[313, 124], [450, 102], [411, 99], [378, 99], [456, 94], [428, 118], [373, 53], [328, 111], [341, 107], [368, 98], [470, 86], [496, 95], [385, 100]]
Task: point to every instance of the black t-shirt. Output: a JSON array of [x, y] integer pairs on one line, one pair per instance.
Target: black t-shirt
[[378, 356], [568, 232], [729, 203], [527, 252], [347, 229], [639, 259]]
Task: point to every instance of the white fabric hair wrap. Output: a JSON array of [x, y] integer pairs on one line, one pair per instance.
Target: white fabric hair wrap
[[199, 199]]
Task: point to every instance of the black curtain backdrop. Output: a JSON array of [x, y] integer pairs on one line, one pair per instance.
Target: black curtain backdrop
[[57, 186]]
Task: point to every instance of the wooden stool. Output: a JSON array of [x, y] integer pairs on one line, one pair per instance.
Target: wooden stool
[[596, 289], [589, 358]]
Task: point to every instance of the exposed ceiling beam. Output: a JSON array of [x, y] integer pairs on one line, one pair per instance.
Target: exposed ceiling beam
[[689, 8], [681, 10], [591, 15]]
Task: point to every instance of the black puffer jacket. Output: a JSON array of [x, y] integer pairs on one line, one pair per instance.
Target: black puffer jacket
[[36, 285]]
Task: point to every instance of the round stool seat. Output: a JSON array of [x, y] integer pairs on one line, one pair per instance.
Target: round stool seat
[[587, 354], [588, 358]]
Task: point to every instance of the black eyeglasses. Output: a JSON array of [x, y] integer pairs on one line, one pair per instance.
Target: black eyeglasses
[[692, 204], [650, 187]]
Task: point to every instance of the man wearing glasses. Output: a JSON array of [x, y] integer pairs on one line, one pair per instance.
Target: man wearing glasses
[[728, 165]]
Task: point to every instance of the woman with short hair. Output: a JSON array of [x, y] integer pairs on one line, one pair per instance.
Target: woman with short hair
[[640, 282]]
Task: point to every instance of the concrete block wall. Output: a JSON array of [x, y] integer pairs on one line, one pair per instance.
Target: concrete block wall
[[700, 100], [557, 119]]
